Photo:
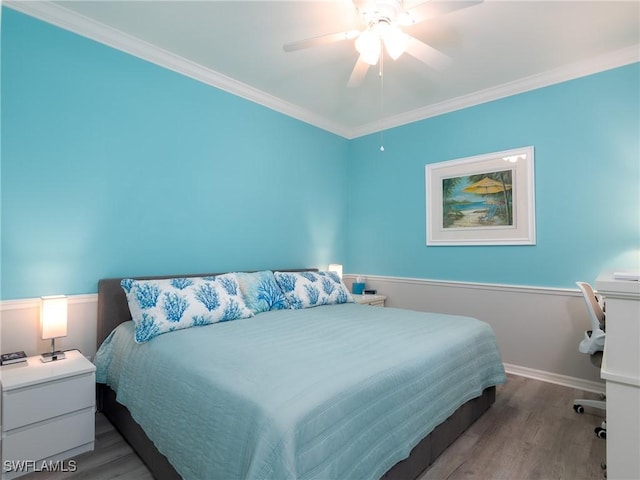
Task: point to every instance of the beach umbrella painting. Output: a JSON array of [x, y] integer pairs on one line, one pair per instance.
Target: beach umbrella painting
[[489, 186], [486, 186]]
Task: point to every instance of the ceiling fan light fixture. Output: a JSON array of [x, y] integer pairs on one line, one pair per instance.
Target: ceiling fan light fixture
[[396, 42], [368, 45], [351, 34], [405, 19]]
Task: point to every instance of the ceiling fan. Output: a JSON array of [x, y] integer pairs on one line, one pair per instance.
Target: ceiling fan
[[383, 21]]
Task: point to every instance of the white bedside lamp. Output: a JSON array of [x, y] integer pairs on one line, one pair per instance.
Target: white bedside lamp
[[53, 323], [336, 267]]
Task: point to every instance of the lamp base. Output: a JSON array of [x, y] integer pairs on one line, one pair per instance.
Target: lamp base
[[52, 356]]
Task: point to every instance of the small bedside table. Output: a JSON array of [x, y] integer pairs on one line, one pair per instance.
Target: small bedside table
[[47, 413], [371, 300]]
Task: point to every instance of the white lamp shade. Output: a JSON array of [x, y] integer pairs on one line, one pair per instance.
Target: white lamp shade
[[396, 42], [336, 267], [53, 316], [368, 45]]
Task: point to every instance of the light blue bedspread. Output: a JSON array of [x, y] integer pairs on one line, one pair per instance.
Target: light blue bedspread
[[332, 392]]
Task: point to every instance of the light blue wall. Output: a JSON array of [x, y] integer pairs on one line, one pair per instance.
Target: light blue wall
[[114, 166], [586, 137]]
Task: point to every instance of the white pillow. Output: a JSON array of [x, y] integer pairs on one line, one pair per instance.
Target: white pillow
[[310, 289], [165, 305]]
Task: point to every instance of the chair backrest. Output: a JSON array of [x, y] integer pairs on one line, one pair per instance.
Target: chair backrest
[[596, 314], [594, 339]]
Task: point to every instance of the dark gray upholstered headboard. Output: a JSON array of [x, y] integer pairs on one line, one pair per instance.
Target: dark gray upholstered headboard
[[112, 302]]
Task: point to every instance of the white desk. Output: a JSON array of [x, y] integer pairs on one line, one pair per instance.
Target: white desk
[[621, 371]]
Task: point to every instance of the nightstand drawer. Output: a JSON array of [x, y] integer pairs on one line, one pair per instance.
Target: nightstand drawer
[[51, 437], [379, 303], [372, 300], [24, 406]]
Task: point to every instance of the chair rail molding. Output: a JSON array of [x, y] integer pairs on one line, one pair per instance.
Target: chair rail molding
[[554, 318], [538, 328], [20, 325]]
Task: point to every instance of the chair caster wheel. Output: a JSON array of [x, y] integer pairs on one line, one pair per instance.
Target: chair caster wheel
[[578, 408], [600, 432]]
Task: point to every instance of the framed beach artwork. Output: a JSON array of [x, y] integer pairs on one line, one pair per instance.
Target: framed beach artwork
[[482, 200]]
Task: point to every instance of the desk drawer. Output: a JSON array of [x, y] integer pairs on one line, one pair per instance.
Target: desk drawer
[[28, 405], [49, 438]]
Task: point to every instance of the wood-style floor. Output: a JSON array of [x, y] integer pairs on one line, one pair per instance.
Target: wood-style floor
[[531, 432]]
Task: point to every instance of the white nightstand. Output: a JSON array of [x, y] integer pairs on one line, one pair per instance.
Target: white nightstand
[[372, 300], [47, 412]]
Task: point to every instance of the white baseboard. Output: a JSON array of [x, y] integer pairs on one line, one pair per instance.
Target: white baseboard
[[554, 317], [555, 378]]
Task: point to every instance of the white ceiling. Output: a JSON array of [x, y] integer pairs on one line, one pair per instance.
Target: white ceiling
[[498, 48]]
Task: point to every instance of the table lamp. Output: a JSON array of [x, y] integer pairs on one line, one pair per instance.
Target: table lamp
[[336, 267], [53, 323]]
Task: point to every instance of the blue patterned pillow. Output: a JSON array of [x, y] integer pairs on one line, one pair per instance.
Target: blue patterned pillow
[[261, 292], [310, 289], [164, 305]]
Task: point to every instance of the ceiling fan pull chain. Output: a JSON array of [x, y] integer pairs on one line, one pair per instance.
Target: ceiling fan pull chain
[[381, 73]]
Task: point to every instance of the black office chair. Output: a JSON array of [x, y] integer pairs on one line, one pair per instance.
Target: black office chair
[[593, 344]]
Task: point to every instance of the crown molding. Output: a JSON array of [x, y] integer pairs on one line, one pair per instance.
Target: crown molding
[[79, 24], [89, 28], [619, 58]]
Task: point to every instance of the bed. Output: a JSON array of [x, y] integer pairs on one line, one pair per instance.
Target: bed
[[334, 391]]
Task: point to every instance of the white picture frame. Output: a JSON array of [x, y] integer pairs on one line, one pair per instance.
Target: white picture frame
[[482, 200]]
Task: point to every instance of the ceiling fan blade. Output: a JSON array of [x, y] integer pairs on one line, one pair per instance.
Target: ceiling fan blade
[[320, 40], [427, 54], [435, 8], [358, 73]]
